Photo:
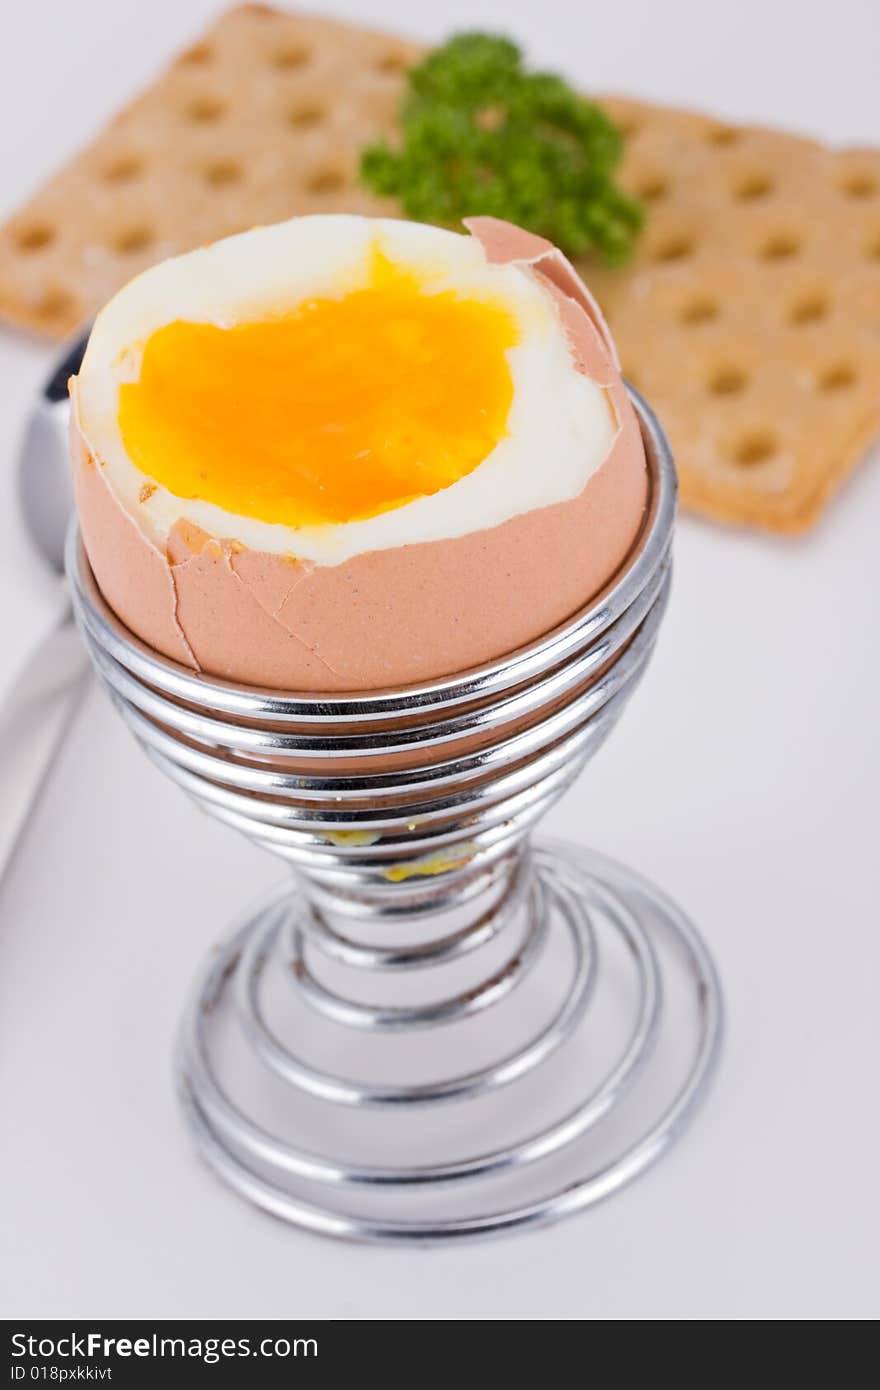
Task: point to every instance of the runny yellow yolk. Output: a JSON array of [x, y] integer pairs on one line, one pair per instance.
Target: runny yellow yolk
[[337, 411]]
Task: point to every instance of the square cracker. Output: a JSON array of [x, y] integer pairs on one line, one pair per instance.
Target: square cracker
[[749, 314], [262, 119]]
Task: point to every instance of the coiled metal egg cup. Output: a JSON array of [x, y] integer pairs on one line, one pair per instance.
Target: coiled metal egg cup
[[413, 1039]]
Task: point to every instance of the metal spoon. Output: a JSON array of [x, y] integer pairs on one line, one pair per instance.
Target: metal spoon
[[37, 712], [44, 487]]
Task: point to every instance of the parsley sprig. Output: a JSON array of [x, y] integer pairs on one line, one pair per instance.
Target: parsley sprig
[[480, 135]]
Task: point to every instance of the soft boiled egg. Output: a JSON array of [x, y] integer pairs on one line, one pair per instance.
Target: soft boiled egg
[[345, 453]]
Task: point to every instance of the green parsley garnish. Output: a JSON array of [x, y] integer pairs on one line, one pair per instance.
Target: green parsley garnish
[[480, 135]]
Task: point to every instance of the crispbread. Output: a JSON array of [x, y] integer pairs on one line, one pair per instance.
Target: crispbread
[[749, 315], [262, 119]]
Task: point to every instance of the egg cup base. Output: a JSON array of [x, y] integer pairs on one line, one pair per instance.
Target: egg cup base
[[598, 1028]]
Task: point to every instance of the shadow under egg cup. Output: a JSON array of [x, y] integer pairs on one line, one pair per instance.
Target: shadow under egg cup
[[412, 1038]]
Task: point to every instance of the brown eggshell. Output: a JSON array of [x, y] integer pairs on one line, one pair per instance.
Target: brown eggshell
[[503, 241], [133, 575], [385, 618], [229, 622]]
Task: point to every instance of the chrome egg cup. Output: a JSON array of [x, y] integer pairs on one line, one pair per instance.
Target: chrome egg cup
[[406, 816]]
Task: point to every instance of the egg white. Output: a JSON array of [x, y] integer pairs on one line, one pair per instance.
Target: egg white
[[561, 424]]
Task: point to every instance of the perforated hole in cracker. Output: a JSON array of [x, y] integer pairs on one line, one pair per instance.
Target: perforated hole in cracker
[[652, 188], [124, 168], [755, 448], [326, 180], [204, 110], [305, 114], [809, 309], [290, 56], [700, 309], [753, 187], [55, 305], [782, 246], [223, 172], [838, 376], [722, 136], [131, 241], [392, 62], [35, 236], [860, 186], [728, 381], [674, 248], [196, 56]]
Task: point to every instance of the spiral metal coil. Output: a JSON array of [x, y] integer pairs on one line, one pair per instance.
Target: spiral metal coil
[[406, 817]]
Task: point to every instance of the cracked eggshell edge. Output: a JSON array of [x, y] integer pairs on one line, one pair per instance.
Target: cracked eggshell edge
[[383, 618]]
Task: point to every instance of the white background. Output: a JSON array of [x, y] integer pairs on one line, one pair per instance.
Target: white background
[[744, 779]]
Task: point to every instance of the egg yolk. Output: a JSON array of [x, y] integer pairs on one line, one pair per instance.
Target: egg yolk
[[339, 410]]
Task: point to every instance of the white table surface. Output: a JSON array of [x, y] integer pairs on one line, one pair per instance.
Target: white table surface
[[744, 779]]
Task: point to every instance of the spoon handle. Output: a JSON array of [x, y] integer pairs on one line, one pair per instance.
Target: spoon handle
[[34, 718]]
